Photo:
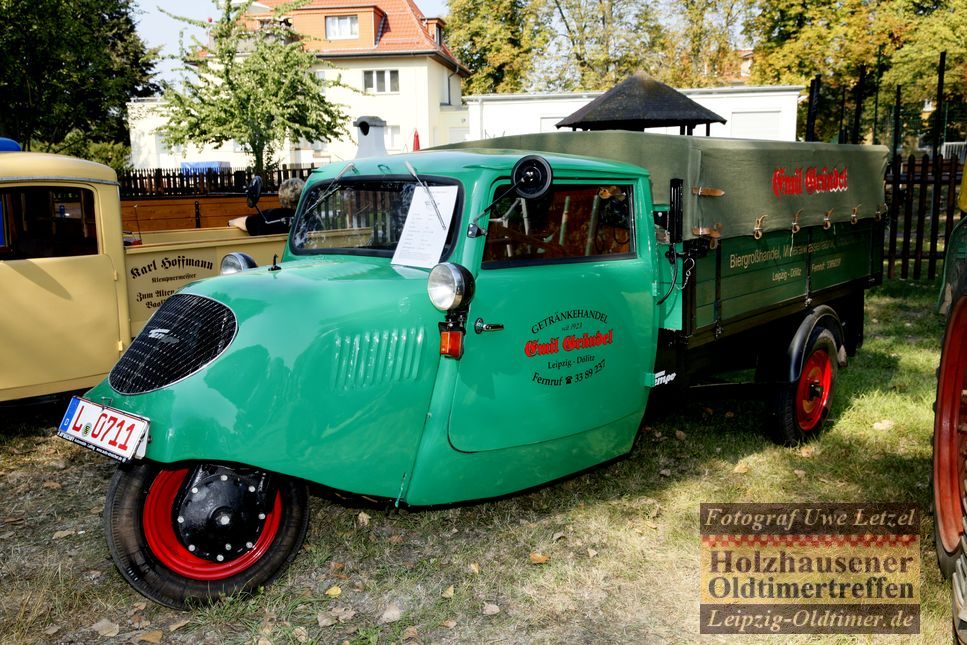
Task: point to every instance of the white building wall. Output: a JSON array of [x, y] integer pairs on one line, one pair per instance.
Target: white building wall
[[148, 150], [417, 107], [750, 112]]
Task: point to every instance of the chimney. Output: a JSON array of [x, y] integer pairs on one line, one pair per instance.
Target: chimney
[[370, 132]]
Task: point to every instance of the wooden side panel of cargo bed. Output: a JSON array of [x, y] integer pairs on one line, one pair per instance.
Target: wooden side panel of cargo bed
[[841, 254], [166, 213], [745, 277], [757, 274]]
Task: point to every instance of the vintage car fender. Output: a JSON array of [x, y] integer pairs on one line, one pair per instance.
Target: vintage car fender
[[327, 375], [822, 315]]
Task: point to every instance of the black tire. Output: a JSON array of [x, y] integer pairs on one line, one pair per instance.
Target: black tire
[[949, 441], [803, 405], [946, 560], [142, 538]]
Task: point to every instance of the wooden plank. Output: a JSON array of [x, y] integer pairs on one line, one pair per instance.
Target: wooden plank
[[924, 184], [894, 215], [179, 212], [907, 218]]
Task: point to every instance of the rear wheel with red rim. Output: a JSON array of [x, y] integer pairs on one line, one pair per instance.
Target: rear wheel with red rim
[[950, 440], [804, 404], [197, 532]]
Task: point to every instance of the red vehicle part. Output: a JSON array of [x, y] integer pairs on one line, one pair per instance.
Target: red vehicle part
[[950, 439], [140, 522]]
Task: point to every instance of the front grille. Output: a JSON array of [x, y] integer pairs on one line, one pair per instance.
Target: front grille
[[183, 336]]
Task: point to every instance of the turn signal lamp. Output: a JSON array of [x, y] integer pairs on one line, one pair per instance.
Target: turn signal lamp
[[451, 343]]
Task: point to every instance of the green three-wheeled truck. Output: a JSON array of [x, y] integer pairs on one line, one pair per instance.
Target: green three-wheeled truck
[[468, 322]]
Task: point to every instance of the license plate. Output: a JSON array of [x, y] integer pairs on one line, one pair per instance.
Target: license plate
[[108, 431]]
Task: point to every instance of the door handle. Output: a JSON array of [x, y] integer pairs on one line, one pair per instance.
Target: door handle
[[480, 326]]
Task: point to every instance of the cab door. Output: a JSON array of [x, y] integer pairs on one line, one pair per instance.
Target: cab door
[[571, 286], [59, 318]]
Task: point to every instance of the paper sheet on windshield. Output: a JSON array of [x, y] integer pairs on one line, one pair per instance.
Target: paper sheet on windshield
[[423, 237]]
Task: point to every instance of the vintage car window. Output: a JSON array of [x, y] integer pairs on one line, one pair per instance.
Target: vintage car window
[[46, 222], [360, 216], [570, 222]]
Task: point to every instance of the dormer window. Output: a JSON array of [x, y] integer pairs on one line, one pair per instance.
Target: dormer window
[[342, 27], [434, 27]]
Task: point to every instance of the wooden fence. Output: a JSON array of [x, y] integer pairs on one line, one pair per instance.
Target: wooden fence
[[201, 211], [174, 182], [922, 199]]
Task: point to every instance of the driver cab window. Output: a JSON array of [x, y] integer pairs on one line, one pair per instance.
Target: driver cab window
[[569, 222], [46, 222]]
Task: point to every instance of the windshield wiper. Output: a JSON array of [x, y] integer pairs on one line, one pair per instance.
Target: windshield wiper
[[333, 186], [429, 194]]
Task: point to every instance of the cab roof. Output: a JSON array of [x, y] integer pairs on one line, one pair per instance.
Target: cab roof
[[453, 162], [39, 165]]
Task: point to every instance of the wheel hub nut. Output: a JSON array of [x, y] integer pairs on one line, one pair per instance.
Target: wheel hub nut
[[815, 390]]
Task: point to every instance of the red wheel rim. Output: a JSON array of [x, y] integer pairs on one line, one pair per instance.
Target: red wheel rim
[[812, 392], [164, 543], [949, 441]]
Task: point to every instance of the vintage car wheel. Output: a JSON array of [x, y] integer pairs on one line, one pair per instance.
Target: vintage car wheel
[[804, 404], [958, 600], [950, 440], [192, 533]]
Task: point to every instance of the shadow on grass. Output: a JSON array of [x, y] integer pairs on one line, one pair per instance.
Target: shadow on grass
[[30, 416]]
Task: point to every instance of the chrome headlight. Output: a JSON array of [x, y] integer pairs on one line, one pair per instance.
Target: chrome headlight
[[236, 262], [450, 286]]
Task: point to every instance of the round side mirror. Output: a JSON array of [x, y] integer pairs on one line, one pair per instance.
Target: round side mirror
[[532, 176], [253, 191]]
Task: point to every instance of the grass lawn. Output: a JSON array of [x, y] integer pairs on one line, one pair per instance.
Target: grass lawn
[[621, 541]]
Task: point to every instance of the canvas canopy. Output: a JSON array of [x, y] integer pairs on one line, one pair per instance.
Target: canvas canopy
[[734, 185]]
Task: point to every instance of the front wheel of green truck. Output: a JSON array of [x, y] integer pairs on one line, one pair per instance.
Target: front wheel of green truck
[[950, 439], [803, 404], [193, 533]]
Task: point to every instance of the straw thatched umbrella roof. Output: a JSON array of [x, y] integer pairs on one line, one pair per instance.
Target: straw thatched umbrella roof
[[640, 102]]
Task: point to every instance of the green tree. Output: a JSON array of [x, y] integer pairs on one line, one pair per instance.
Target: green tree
[[67, 70], [701, 48], [895, 42], [914, 65], [252, 84], [794, 41], [837, 40], [596, 45], [497, 40]]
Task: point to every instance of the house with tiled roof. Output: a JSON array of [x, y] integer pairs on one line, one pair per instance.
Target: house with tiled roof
[[391, 62]]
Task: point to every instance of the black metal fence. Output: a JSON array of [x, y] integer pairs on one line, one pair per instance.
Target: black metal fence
[[922, 198]]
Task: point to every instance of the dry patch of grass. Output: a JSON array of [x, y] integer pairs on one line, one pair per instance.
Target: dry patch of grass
[[607, 556]]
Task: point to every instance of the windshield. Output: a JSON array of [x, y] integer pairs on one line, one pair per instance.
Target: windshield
[[361, 215]]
